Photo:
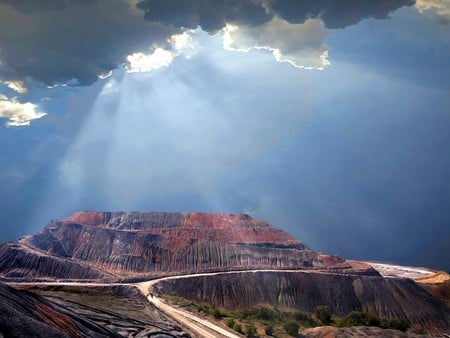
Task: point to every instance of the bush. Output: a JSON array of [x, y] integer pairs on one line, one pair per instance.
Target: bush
[[269, 330], [305, 319], [250, 330], [301, 316], [398, 324], [356, 318], [359, 318], [420, 331], [238, 328], [203, 308], [217, 314], [323, 314], [245, 314], [230, 323], [265, 313], [371, 319], [291, 328]]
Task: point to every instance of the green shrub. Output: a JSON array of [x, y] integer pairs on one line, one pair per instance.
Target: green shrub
[[230, 323], [323, 314], [269, 330], [217, 313], [398, 324], [250, 330], [238, 328], [420, 331], [305, 319], [341, 323], [360, 318], [356, 318], [203, 308], [265, 313], [291, 328], [384, 323], [244, 314], [372, 319], [301, 316]]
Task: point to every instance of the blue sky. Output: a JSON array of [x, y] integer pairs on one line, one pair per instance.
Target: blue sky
[[329, 120]]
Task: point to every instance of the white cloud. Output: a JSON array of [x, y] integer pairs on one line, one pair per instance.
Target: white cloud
[[160, 57], [437, 9], [105, 75], [18, 114], [301, 45], [182, 42], [17, 86], [140, 62]]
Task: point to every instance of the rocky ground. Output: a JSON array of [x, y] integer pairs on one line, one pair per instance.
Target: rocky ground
[[355, 331], [119, 311]]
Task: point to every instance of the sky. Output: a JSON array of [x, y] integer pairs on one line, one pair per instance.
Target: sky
[[328, 119]]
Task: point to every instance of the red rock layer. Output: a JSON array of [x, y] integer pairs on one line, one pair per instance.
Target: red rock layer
[[101, 245]]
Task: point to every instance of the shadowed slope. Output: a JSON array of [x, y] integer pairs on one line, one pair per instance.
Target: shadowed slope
[[304, 290]]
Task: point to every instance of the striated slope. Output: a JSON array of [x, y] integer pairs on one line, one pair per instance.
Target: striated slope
[[24, 314], [122, 309], [438, 285], [111, 245], [20, 261], [386, 297]]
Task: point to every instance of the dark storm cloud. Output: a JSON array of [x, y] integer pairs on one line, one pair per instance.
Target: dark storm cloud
[[214, 15], [210, 15], [27, 6], [59, 41], [336, 13]]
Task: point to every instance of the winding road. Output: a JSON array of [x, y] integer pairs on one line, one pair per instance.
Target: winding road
[[206, 329]]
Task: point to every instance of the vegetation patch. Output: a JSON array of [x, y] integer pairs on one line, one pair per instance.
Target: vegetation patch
[[270, 321]]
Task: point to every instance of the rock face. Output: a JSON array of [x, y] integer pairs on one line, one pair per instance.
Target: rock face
[[24, 314], [122, 309], [113, 245], [342, 293]]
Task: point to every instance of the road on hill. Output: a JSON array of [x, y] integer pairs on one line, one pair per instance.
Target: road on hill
[[204, 328]]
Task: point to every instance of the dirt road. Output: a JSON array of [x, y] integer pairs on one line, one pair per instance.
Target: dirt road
[[206, 329]]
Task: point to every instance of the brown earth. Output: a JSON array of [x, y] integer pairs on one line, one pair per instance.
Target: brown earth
[[121, 309], [303, 291], [25, 314], [111, 246], [438, 285], [355, 331]]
